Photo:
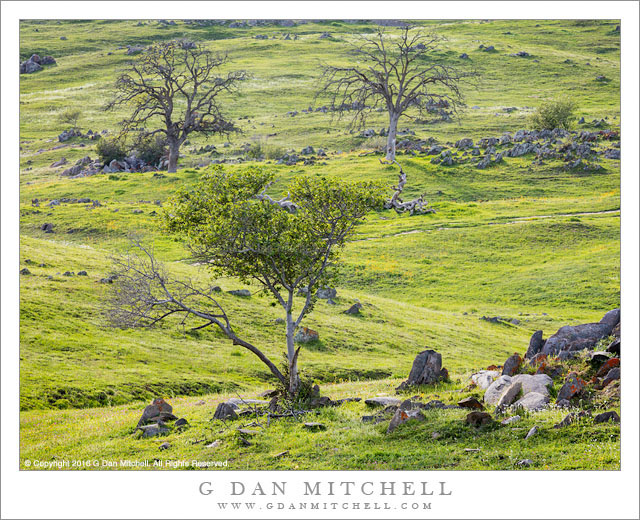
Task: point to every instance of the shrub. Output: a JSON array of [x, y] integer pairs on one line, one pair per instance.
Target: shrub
[[259, 150], [70, 117], [110, 149], [556, 113], [150, 149]]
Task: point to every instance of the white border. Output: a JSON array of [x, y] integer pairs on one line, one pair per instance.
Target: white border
[[478, 495]]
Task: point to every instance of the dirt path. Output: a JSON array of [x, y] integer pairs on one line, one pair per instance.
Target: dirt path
[[513, 221]]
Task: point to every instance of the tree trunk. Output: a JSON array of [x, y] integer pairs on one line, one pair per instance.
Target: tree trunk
[[174, 151], [294, 378], [391, 137]]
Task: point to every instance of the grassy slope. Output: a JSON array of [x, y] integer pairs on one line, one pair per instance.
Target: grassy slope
[[479, 254]]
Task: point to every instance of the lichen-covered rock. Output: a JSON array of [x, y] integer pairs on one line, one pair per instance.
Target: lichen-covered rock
[[607, 366], [471, 402], [578, 337], [512, 365], [536, 344], [154, 410], [306, 335], [403, 416], [611, 376], [572, 387]]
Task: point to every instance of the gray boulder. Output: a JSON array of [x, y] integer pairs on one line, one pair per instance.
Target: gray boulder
[[225, 411], [496, 389], [306, 335], [465, 143], [326, 293], [427, 369], [241, 292], [536, 344], [484, 378], [577, 337], [533, 383], [510, 394], [153, 430], [354, 309], [382, 401], [533, 401], [30, 66]]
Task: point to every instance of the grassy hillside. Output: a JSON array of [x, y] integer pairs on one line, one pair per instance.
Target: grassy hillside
[[536, 243]]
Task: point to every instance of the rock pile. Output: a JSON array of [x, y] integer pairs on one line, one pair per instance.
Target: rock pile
[[155, 417], [35, 63]]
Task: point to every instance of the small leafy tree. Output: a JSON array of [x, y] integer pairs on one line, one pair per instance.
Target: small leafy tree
[[109, 149], [232, 227], [174, 88], [70, 117], [556, 113]]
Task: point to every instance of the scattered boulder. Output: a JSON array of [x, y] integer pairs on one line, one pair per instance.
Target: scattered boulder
[[225, 411], [382, 401], [478, 419], [571, 418], [532, 401], [510, 394], [525, 463], [241, 292], [512, 365], [306, 335], [403, 416], [578, 337], [427, 369], [607, 416], [572, 387], [533, 431], [181, 422], [471, 402], [484, 378], [25, 272], [164, 446], [30, 66], [533, 383], [326, 293], [536, 344], [354, 309], [153, 430], [465, 143], [157, 407], [612, 375], [607, 366], [493, 394], [511, 420]]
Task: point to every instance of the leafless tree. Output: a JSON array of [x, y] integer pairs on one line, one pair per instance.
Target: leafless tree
[[176, 87], [418, 205], [396, 72], [145, 294]]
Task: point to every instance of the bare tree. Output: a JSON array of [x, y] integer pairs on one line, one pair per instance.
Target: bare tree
[[396, 72], [175, 86]]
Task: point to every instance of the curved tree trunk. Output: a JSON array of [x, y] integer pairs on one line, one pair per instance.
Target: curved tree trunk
[[174, 151], [391, 137]]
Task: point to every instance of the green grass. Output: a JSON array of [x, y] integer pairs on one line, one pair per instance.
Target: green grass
[[537, 243]]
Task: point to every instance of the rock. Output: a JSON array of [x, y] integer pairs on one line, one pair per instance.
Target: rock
[[279, 321], [306, 335], [533, 431], [489, 48], [269, 393], [532, 401], [607, 416], [512, 365], [471, 402], [326, 293], [134, 49], [510, 394], [572, 387], [325, 35], [478, 419], [614, 347], [314, 426], [493, 394], [67, 273], [157, 407], [611, 318], [570, 418], [82, 273], [464, 56], [563, 403], [613, 375], [511, 420], [598, 358], [153, 430], [608, 365], [137, 211], [181, 422], [354, 309], [533, 383], [164, 446], [224, 412], [241, 292], [382, 401], [29, 67], [427, 369], [236, 402], [525, 463], [369, 132], [245, 431], [59, 163], [484, 378], [308, 150], [465, 143], [536, 344], [579, 337], [404, 416], [25, 271], [320, 402]]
